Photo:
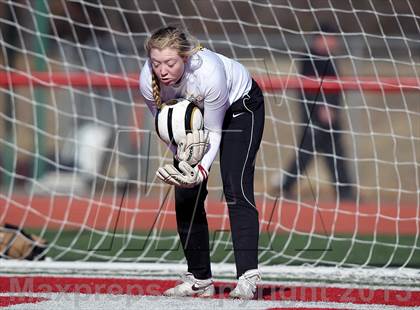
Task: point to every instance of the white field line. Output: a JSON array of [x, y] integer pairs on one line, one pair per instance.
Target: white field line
[[368, 277]]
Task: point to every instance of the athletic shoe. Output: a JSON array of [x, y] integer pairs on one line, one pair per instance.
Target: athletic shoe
[[247, 285], [191, 286]]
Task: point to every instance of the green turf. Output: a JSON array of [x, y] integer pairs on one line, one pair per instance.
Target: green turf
[[289, 249]]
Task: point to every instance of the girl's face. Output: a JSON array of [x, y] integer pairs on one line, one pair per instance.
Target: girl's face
[[167, 65]]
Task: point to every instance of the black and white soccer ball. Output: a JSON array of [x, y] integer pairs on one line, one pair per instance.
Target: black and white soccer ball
[[176, 118]]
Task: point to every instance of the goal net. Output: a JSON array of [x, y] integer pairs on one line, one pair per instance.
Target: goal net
[[337, 175]]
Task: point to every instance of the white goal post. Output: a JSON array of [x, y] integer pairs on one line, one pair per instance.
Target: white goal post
[[78, 149]]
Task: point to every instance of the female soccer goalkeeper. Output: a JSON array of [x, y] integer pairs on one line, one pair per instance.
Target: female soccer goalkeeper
[[233, 107]]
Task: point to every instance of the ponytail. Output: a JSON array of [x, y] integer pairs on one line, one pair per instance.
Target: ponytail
[[156, 90]]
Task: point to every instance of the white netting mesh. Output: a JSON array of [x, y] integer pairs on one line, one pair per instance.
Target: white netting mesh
[[79, 152]]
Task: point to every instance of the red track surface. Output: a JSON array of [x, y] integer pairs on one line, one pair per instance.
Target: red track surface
[[71, 213], [11, 300], [268, 83], [156, 287]]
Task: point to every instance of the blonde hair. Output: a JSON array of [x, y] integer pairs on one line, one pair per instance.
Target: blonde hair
[[170, 37]]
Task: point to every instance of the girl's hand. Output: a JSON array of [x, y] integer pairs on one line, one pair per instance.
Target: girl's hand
[[186, 176], [193, 147]]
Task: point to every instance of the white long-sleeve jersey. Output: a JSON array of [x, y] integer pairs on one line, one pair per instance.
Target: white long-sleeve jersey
[[215, 81]]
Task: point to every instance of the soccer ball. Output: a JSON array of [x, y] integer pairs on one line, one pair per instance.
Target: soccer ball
[[176, 118]]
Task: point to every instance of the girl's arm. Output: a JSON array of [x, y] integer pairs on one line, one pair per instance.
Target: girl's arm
[[216, 102]]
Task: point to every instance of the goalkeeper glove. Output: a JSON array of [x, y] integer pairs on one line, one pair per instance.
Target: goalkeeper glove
[[193, 147], [186, 176]]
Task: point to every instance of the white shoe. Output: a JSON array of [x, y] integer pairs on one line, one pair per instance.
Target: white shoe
[[191, 286], [247, 285]]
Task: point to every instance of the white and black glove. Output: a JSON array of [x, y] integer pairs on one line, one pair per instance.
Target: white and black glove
[[186, 176], [193, 147]]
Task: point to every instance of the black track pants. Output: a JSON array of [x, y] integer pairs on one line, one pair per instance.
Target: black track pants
[[242, 133]]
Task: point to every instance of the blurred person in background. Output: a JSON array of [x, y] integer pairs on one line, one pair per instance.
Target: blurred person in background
[[320, 114]]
